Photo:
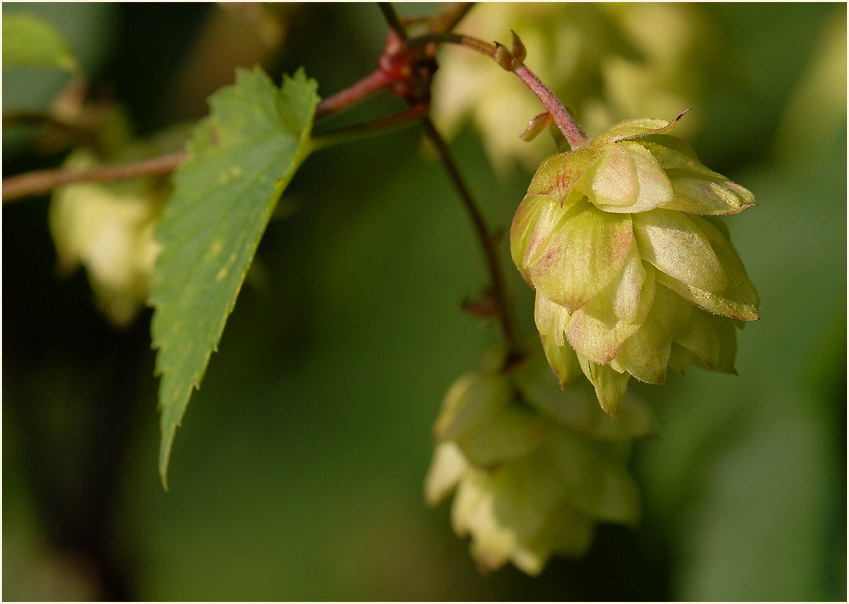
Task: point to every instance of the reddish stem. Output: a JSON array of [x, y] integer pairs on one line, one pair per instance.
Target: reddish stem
[[499, 285], [571, 130], [43, 181], [369, 85]]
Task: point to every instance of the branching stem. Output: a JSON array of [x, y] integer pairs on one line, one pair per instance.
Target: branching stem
[[392, 19], [485, 238], [562, 117]]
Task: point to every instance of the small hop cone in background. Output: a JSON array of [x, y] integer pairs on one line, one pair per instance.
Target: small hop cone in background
[[606, 61], [534, 468], [632, 265], [108, 229]]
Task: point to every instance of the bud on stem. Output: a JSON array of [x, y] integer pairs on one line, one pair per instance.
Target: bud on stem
[[574, 134]]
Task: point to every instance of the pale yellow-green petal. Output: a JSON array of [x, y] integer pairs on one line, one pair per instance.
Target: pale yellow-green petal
[[680, 358], [609, 385], [446, 469], [612, 181], [700, 196], [597, 330], [739, 300], [469, 401], [549, 217], [645, 355], [598, 482], [557, 174], [527, 491], [653, 186], [473, 513], [507, 507], [561, 359], [582, 255], [678, 157], [701, 338], [676, 246], [504, 434], [551, 319], [482, 416], [568, 532], [635, 129], [524, 221], [634, 292], [576, 408]]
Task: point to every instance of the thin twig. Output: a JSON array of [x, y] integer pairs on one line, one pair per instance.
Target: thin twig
[[493, 264], [482, 47], [562, 117], [373, 127], [369, 85], [44, 181], [485, 239], [392, 19]]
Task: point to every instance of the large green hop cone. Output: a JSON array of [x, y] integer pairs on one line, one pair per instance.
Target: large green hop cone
[[632, 265], [535, 468]]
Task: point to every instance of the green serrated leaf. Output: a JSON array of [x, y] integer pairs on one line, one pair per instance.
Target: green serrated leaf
[[32, 42], [242, 157]]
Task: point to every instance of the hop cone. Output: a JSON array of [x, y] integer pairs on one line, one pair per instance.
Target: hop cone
[[535, 468], [632, 265], [108, 228]]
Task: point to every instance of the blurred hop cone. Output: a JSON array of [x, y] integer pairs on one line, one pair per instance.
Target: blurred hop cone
[[534, 467], [632, 266], [108, 229], [607, 62]]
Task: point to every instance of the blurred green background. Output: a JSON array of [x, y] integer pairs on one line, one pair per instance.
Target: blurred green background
[[297, 474]]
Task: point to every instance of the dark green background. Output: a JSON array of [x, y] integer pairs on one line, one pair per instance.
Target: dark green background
[[297, 474]]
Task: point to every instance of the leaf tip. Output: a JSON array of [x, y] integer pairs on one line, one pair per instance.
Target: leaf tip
[[163, 468]]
